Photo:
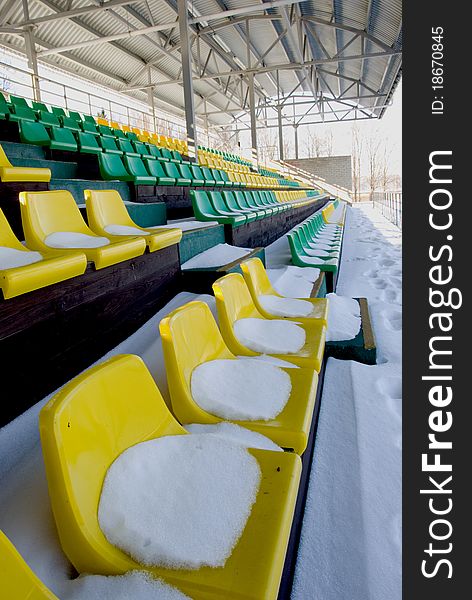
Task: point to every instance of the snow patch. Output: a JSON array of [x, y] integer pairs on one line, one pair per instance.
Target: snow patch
[[344, 318], [235, 433], [72, 239], [270, 336], [240, 389], [134, 585], [219, 255], [285, 307], [179, 501]]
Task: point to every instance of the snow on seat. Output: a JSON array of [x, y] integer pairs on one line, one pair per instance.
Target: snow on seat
[[108, 215], [191, 338], [240, 389], [105, 411], [143, 511], [134, 585], [269, 336], [47, 218], [239, 435], [217, 256], [22, 270], [234, 303], [17, 580]]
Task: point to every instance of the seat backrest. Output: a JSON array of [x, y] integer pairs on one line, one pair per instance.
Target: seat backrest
[[111, 166], [135, 166], [75, 115], [70, 123], [17, 101], [105, 131], [84, 428], [190, 337], [197, 172], [166, 153], [7, 237], [43, 213], [233, 302], [46, 117], [88, 140], [217, 200], [207, 174], [230, 201], [176, 154], [4, 162], [171, 170], [24, 112], [201, 204], [59, 134], [34, 133], [58, 111], [154, 167], [125, 146], [140, 148], [154, 151], [88, 127], [256, 278], [106, 207], [108, 143], [17, 580]]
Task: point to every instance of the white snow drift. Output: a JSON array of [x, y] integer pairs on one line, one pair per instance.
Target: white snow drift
[[235, 433], [270, 337], [285, 307]]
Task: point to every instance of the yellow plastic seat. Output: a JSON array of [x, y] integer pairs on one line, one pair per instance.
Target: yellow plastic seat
[[17, 580], [190, 337], [9, 173], [233, 302], [20, 280], [100, 414], [44, 213], [105, 208], [103, 121], [259, 284]]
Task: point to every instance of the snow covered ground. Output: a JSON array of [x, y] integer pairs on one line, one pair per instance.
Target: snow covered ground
[[351, 538]]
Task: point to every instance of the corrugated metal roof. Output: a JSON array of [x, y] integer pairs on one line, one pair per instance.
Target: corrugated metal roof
[[121, 64]]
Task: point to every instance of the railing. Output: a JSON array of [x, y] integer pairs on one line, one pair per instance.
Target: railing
[[112, 106], [390, 205]]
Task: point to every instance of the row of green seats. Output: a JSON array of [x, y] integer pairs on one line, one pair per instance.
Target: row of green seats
[[18, 109], [236, 207], [316, 243], [149, 171], [73, 140]]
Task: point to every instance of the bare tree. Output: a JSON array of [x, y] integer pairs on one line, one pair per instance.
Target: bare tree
[[314, 144], [374, 162], [328, 143]]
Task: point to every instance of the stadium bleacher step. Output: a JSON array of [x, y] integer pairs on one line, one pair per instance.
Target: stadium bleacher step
[[77, 186]]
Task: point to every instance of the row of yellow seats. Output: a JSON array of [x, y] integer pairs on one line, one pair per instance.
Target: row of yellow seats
[[215, 161], [293, 196], [161, 140], [88, 424], [56, 212], [254, 180]]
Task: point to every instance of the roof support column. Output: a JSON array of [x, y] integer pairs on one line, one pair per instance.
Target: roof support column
[[295, 128], [31, 54], [281, 133], [252, 111], [187, 80]]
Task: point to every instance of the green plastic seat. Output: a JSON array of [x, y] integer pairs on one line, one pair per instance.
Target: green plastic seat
[[215, 173], [40, 106], [230, 201], [172, 171], [58, 111], [88, 143], [18, 101], [119, 134], [216, 199], [187, 172], [4, 107], [198, 175], [75, 115], [89, 119], [132, 136], [142, 150], [208, 176], [232, 206], [34, 133], [62, 139], [48, 119], [21, 113], [112, 167], [69, 123], [205, 211], [109, 146], [224, 176], [166, 153], [154, 168], [154, 151], [105, 131], [136, 168], [243, 202], [88, 127], [126, 147], [178, 156]]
